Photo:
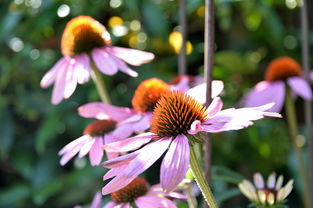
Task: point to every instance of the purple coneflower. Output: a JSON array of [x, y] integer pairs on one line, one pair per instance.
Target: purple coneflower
[[84, 37], [95, 135], [280, 71], [137, 119], [176, 117]]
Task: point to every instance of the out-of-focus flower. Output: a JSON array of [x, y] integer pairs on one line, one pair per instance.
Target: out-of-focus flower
[[137, 119], [83, 37], [185, 82], [96, 201], [143, 196], [95, 135], [280, 71], [176, 116], [269, 194]]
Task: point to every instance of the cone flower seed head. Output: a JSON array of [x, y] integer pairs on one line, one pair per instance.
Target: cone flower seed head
[[148, 93], [281, 69], [174, 114], [138, 187], [82, 34], [100, 127]]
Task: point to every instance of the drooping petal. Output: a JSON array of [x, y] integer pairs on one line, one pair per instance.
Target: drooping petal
[[71, 79], [70, 154], [72, 144], [103, 111], [258, 181], [123, 67], [129, 144], [153, 202], [82, 68], [96, 202], [50, 76], [300, 87], [247, 188], [123, 131], [60, 84], [132, 56], [109, 138], [279, 182], [104, 62], [143, 124], [215, 106], [85, 148], [96, 151], [146, 157], [175, 163], [199, 92], [266, 92], [114, 171], [121, 160], [110, 204], [157, 189]]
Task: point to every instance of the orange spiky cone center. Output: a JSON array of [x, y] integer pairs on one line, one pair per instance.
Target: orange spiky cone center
[[82, 34], [100, 127], [174, 114], [281, 69], [138, 187], [148, 93]]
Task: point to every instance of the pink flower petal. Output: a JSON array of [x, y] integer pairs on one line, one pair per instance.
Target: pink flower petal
[[215, 106], [121, 160], [123, 131], [85, 148], [129, 144], [271, 181], [195, 127], [70, 154], [157, 190], [147, 201], [143, 124], [81, 140], [96, 151], [198, 92], [60, 84], [146, 157], [132, 56], [110, 204], [104, 62], [71, 80], [114, 171], [96, 202], [175, 163], [300, 87], [123, 67], [82, 68], [103, 111], [50, 76], [266, 92], [109, 138]]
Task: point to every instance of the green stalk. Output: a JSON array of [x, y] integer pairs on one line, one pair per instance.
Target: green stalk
[[293, 130], [192, 202], [200, 179], [97, 79]]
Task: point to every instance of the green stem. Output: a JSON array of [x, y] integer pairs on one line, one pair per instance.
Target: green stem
[[97, 79], [204, 187], [192, 202], [293, 130]]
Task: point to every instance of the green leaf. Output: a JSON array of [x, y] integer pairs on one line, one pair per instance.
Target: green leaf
[[14, 194], [225, 174], [6, 131]]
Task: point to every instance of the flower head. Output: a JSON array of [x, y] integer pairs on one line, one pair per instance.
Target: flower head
[[281, 71], [95, 135], [85, 40], [139, 192], [82, 34], [176, 117], [269, 194]]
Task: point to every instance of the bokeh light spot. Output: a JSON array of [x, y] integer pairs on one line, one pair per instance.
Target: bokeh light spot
[[16, 44], [135, 25], [115, 3], [115, 21], [63, 10], [34, 54], [175, 39], [290, 42]]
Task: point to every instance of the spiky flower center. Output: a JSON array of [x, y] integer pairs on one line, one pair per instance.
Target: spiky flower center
[[148, 93], [82, 34], [174, 114], [282, 68], [100, 127], [138, 187]]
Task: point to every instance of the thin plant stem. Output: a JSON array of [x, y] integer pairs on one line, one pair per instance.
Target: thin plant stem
[[208, 66], [308, 103], [97, 79], [293, 130], [192, 202], [182, 63], [200, 179]]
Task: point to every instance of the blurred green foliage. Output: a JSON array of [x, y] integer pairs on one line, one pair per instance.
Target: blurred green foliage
[[249, 33]]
